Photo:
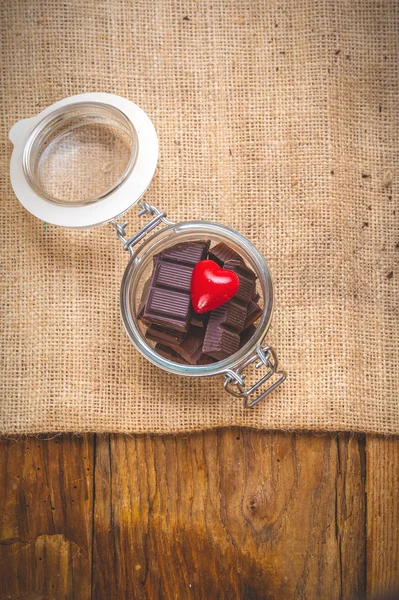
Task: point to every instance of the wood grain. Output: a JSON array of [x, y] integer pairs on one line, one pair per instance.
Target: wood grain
[[382, 517], [219, 514], [229, 515], [46, 507]]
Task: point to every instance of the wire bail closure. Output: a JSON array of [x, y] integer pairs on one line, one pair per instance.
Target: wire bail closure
[[145, 208], [234, 382]]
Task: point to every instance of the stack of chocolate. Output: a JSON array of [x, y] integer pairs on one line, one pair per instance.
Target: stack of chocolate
[[179, 333]]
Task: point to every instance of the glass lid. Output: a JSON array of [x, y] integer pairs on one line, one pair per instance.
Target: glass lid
[[84, 160]]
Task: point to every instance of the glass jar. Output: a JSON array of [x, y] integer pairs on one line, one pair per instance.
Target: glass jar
[[85, 161]]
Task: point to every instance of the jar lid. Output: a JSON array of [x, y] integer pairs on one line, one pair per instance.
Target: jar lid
[[84, 160]]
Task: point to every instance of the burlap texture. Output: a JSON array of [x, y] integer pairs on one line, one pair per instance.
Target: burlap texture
[[277, 118]]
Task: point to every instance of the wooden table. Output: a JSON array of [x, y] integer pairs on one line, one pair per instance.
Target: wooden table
[[221, 514]]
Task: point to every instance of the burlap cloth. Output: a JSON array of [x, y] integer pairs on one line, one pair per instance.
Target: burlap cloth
[[277, 118]]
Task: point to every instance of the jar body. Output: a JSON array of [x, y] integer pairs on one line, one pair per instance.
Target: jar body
[[140, 267]]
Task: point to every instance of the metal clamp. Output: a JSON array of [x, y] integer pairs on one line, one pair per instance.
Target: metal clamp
[[145, 209], [234, 382]]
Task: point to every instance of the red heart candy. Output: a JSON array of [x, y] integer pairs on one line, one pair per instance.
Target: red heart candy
[[211, 286]]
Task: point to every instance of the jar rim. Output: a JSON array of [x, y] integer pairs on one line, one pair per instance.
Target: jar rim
[[115, 203], [148, 247], [51, 121]]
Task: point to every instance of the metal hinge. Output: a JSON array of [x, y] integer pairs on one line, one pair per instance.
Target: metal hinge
[[145, 209], [234, 382]]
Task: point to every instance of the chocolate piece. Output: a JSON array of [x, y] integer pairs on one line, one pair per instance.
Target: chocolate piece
[[253, 314], [222, 253], [199, 320], [255, 296], [140, 314], [246, 335], [143, 300], [169, 353], [168, 302], [204, 359], [247, 280], [191, 347], [188, 253], [168, 308], [222, 336], [171, 275], [221, 343], [164, 336]]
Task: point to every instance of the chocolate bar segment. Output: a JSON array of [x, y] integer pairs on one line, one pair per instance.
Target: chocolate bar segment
[[204, 359], [164, 336], [191, 347], [168, 301], [178, 354], [188, 346], [169, 353], [222, 336], [199, 320], [143, 300], [168, 308], [221, 343], [247, 280], [253, 314], [186, 252], [222, 253], [172, 276], [246, 335]]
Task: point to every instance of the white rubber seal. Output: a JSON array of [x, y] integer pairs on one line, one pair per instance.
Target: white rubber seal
[[113, 205]]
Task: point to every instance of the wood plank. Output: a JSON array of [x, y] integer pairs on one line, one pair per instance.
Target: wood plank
[[382, 517], [227, 514], [351, 515], [46, 504]]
